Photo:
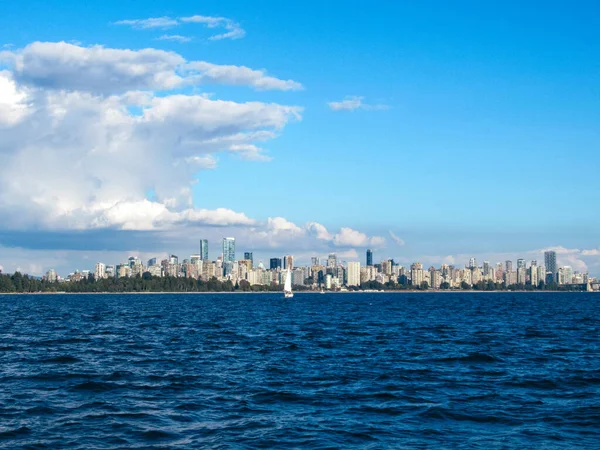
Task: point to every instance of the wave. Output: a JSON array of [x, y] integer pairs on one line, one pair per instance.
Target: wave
[[476, 358]]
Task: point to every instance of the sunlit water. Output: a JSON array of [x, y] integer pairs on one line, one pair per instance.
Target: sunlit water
[[496, 370]]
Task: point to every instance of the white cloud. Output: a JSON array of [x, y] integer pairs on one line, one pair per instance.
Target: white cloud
[[174, 37], [202, 162], [232, 29], [240, 75], [396, 239], [80, 151], [63, 66], [152, 22], [13, 103], [592, 252], [353, 102], [319, 231], [347, 237], [279, 224], [109, 71]]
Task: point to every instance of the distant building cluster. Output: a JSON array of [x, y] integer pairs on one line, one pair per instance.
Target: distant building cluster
[[333, 274]]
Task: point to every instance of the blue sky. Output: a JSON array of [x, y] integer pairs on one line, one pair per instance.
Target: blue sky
[[478, 132]]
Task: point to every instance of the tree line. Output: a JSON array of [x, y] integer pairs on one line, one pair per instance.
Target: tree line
[[19, 283]]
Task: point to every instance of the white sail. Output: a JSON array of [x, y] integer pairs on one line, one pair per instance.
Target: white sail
[[287, 287]]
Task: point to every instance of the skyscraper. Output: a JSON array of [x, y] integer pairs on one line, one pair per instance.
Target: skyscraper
[[331, 260], [248, 257], [509, 266], [369, 257], [228, 249], [550, 263], [275, 263], [203, 249], [288, 262], [472, 263], [520, 264], [353, 273], [315, 261]]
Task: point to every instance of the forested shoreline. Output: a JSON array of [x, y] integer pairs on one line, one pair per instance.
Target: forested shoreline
[[20, 283]]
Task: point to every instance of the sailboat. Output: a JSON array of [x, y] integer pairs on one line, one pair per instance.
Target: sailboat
[[287, 287]]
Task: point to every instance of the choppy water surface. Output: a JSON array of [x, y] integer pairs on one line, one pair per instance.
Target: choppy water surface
[[367, 370]]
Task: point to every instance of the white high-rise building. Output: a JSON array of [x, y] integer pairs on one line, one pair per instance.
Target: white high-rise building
[[331, 260], [568, 274], [533, 275], [99, 271], [353, 273], [416, 274], [541, 274]]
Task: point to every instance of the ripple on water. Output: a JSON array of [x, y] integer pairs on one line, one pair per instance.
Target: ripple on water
[[324, 371]]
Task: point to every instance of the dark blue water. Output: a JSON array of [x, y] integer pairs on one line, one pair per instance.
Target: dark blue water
[[322, 371]]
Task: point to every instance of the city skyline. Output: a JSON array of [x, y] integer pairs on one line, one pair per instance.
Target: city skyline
[[139, 129], [333, 273]]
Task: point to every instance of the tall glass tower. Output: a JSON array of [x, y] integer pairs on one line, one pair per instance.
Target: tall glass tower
[[203, 249], [369, 257], [228, 249], [550, 262], [248, 257]]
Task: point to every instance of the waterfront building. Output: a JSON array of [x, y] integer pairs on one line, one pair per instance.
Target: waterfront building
[[288, 262], [541, 274], [204, 249], [533, 275], [369, 257], [550, 263], [353, 273], [386, 267], [229, 249], [520, 263], [486, 268], [275, 264], [331, 260], [155, 270], [416, 274], [248, 257], [173, 259], [521, 275], [152, 262], [298, 277], [509, 266], [99, 271], [328, 279], [568, 274], [51, 276], [472, 263], [435, 278]]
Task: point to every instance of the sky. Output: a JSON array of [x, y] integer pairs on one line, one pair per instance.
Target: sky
[[427, 131]]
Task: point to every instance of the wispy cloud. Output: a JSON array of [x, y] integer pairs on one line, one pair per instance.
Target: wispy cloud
[[232, 29], [152, 22], [396, 239], [240, 75], [353, 102], [174, 38]]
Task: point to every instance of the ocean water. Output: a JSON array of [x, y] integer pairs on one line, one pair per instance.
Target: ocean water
[[464, 370]]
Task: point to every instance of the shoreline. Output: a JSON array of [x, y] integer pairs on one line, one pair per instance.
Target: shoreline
[[295, 293]]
